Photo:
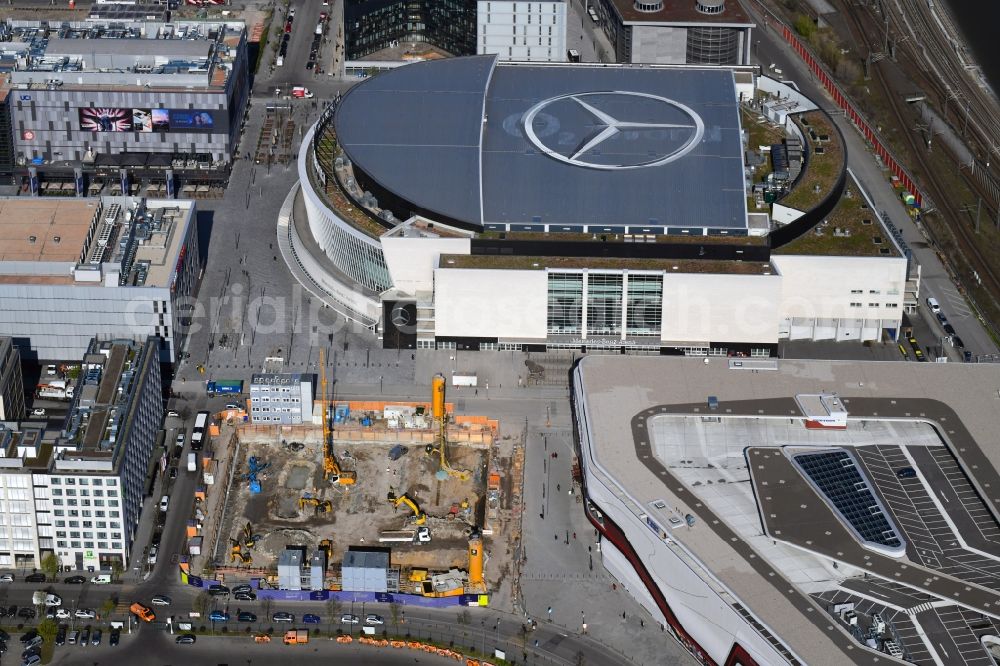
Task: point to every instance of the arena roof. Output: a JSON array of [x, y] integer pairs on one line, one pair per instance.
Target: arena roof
[[483, 142]]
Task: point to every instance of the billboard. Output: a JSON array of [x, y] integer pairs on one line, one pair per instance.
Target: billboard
[[187, 120], [114, 119], [105, 119]]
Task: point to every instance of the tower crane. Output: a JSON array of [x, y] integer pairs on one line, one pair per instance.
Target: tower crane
[[331, 470]]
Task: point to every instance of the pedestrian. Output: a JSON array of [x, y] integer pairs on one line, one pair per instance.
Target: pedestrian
[[642, 624], [477, 392], [556, 537], [558, 489], [574, 535]]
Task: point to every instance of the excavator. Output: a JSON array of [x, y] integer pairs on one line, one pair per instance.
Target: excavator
[[331, 470], [321, 506], [441, 419], [419, 517]]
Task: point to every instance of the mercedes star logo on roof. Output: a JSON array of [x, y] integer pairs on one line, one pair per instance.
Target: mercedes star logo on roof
[[593, 126]]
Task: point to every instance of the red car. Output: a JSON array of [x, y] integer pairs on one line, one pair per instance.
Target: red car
[[288, 27]]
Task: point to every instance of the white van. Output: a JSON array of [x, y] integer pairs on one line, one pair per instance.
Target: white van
[[933, 305], [101, 579], [164, 503]]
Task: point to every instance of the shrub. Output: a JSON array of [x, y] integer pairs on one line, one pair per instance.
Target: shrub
[[804, 26]]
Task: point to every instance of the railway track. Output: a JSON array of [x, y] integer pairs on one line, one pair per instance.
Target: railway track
[[868, 31]]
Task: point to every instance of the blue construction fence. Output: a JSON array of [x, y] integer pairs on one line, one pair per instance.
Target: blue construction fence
[[347, 597]]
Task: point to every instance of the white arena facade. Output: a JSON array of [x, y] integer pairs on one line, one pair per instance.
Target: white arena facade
[[476, 204]]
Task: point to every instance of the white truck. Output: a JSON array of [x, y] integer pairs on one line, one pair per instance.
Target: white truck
[[43, 598], [56, 389], [192, 462], [420, 535]]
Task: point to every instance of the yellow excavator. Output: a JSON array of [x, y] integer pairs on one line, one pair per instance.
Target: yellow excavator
[[321, 506], [419, 517], [331, 470], [441, 420]]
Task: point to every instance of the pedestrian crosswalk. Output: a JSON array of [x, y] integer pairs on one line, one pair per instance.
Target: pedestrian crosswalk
[[921, 608]]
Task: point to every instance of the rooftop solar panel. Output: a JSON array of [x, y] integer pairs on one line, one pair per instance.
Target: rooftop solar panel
[[836, 475]]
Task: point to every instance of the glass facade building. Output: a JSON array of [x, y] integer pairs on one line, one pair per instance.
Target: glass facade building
[[373, 25], [605, 294]]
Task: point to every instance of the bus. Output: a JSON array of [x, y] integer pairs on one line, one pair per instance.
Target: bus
[[593, 15], [201, 421], [198, 433]]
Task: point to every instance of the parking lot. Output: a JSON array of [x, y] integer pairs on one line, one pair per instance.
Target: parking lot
[[899, 624], [930, 536], [950, 630]]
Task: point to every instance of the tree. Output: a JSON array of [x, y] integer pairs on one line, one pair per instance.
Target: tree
[[333, 608], [47, 630], [117, 569], [395, 610], [265, 608], [804, 26], [50, 565], [108, 606], [201, 602]]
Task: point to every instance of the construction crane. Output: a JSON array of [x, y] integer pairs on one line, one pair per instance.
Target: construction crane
[[441, 419], [419, 517], [331, 470]]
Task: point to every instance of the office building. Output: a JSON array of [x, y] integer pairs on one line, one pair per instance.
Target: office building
[[78, 494], [100, 97], [675, 32], [374, 25], [533, 31], [281, 398], [11, 382], [113, 267]]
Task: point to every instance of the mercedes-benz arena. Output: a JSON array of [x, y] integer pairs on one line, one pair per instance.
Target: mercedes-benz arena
[[476, 204]]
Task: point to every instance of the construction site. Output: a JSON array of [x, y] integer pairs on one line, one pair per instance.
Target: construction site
[[408, 487]]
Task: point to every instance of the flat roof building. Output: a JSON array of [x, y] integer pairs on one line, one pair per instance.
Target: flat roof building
[[281, 398], [81, 489], [675, 32], [754, 538], [118, 267], [84, 92]]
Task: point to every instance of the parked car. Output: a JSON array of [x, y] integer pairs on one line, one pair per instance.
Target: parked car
[[246, 616], [114, 637], [173, 412], [85, 613], [282, 616], [63, 614], [242, 587], [310, 618], [152, 555], [157, 536], [218, 616], [32, 660], [173, 472], [374, 619], [75, 580], [50, 371], [906, 473], [164, 503], [949, 329], [95, 638], [61, 635], [244, 596], [35, 578], [218, 591], [186, 639], [85, 636], [26, 612], [6, 578], [160, 600], [957, 342], [349, 619], [38, 411], [28, 636], [34, 649]]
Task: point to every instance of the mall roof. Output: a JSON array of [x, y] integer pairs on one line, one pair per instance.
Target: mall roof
[[603, 144]]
